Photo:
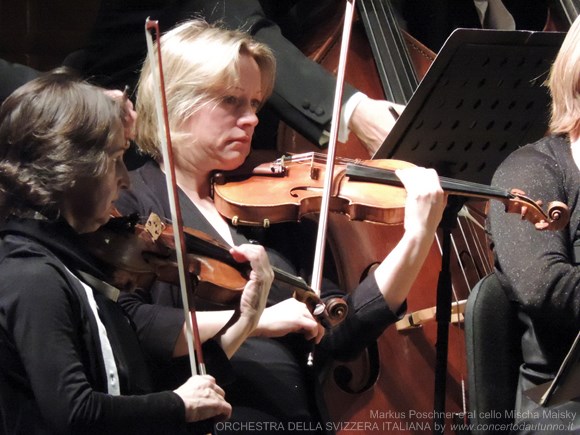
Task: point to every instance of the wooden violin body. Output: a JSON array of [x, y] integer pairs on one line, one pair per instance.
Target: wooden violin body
[[291, 187], [140, 254]]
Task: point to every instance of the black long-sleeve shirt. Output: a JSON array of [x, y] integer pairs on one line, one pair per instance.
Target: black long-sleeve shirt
[[273, 382], [52, 370]]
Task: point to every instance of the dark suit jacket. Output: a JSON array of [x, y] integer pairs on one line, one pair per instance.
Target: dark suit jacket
[[304, 91], [431, 22]]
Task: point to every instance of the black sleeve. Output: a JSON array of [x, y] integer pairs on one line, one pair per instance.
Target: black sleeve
[[14, 75], [368, 317]]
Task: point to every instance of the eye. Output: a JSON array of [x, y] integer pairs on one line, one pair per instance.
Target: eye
[[256, 104], [118, 156], [230, 99]]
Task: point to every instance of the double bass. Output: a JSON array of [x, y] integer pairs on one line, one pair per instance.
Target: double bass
[[395, 377]]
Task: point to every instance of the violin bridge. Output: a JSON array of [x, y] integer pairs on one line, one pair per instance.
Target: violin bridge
[[314, 171], [417, 319]]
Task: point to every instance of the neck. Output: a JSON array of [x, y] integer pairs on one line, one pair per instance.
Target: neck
[[196, 186], [194, 183]]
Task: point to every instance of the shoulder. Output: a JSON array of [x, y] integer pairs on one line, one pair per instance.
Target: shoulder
[[549, 156], [147, 192], [547, 148], [147, 177], [31, 257], [32, 276]]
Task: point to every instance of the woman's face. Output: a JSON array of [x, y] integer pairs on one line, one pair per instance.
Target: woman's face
[[89, 203], [223, 131]]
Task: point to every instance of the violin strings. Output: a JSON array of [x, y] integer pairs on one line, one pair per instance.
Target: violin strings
[[448, 184]]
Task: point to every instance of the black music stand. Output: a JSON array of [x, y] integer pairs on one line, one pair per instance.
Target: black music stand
[[482, 98]]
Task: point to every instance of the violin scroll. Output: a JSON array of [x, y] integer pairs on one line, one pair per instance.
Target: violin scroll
[[337, 310], [555, 219], [558, 212]]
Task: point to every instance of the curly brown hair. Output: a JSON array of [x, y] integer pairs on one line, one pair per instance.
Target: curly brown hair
[[53, 131]]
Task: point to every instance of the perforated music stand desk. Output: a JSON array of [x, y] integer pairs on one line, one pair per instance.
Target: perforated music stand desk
[[482, 98]]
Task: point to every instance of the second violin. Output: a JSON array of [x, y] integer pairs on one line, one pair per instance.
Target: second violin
[[142, 253]]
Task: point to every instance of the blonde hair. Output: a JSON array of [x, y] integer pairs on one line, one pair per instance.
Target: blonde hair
[[564, 84], [199, 61]]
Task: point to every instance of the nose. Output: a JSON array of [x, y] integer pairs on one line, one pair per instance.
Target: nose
[[248, 118]]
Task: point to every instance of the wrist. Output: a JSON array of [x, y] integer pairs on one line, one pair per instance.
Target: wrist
[[349, 113], [249, 322], [262, 325]]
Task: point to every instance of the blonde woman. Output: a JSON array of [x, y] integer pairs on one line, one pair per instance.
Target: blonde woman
[[216, 81]]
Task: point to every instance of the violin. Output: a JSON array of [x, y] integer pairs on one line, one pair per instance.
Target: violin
[[144, 253], [290, 188]]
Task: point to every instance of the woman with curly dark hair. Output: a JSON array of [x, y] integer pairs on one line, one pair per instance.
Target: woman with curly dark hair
[[69, 358]]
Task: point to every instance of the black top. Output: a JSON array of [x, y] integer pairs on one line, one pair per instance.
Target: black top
[[273, 382], [540, 269], [51, 365]]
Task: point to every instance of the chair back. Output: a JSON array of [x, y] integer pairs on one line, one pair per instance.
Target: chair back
[[493, 344]]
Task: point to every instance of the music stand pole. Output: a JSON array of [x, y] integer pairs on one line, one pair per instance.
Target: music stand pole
[[443, 310]]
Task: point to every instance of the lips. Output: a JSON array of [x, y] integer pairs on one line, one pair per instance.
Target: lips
[[243, 139]]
